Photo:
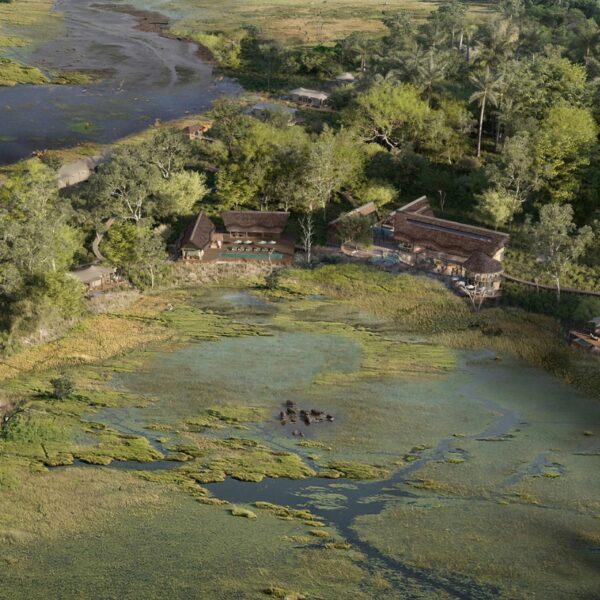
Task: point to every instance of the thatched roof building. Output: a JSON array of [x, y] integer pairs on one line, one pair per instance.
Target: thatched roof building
[[197, 236], [480, 264], [345, 78], [313, 98], [447, 236], [250, 222]]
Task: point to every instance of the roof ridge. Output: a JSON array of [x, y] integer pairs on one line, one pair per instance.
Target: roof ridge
[[476, 227]]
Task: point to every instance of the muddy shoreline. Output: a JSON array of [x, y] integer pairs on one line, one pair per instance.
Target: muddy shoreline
[[150, 21], [149, 74]]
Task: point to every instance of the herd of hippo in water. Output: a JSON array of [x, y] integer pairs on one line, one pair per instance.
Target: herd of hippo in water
[[291, 414]]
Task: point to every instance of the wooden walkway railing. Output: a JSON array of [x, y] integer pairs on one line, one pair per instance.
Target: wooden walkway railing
[[551, 288]]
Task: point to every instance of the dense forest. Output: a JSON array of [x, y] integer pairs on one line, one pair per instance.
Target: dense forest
[[496, 121]]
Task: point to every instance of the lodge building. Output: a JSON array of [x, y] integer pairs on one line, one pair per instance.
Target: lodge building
[[441, 246], [245, 236]]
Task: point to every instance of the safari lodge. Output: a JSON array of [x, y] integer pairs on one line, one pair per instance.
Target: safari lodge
[[244, 236], [445, 247]]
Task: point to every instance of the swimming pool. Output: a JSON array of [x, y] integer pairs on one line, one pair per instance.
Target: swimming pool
[[254, 255]]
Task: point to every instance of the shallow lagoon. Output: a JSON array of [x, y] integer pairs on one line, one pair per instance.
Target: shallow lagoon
[[492, 489]]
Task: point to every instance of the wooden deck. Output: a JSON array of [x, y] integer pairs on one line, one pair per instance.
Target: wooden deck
[[280, 252], [584, 340]]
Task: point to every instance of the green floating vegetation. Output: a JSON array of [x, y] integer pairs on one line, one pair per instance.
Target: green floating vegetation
[[53, 433], [354, 470], [276, 591], [212, 501], [338, 545], [13, 73], [245, 460], [454, 459], [192, 322], [220, 417], [319, 533], [381, 357], [550, 472], [287, 513], [175, 478], [242, 512], [313, 444], [424, 306]]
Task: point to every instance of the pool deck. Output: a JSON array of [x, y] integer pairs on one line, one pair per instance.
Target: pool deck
[[283, 251]]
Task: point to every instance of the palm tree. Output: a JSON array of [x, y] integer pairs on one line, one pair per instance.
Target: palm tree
[[359, 46], [588, 36], [470, 32], [499, 42], [431, 74], [487, 86]]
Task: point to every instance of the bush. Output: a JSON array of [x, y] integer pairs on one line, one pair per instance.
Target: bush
[[571, 308], [62, 387]]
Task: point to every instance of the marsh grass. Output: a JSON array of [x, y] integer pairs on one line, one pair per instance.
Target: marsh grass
[[295, 22], [484, 539], [422, 305]]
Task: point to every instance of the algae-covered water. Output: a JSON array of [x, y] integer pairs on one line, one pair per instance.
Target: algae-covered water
[[443, 474]]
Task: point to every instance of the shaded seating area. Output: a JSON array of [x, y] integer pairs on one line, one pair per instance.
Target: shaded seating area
[[307, 97], [97, 278]]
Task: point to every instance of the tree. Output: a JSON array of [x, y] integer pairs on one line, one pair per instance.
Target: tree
[[487, 86], [513, 170], [393, 115], [355, 229], [556, 241], [451, 16], [447, 132], [333, 161], [307, 227], [431, 74], [179, 194], [123, 186], [358, 46], [562, 146], [34, 235], [138, 251], [168, 150], [498, 207], [379, 193], [498, 42]]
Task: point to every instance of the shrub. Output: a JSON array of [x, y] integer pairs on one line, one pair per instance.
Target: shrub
[[62, 387]]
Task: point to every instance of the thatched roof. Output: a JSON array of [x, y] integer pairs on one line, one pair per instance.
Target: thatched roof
[[271, 107], [198, 232], [481, 264], [365, 210], [346, 77], [312, 94], [446, 236], [419, 206], [250, 221], [91, 273]]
